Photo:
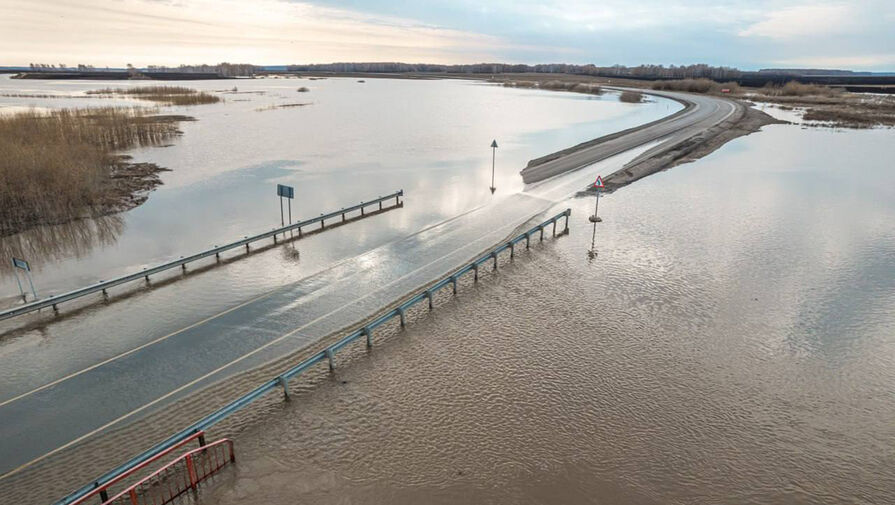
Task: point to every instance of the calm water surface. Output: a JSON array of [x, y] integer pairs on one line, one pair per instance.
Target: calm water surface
[[352, 142], [732, 342]]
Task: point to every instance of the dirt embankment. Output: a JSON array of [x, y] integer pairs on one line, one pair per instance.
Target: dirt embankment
[[742, 122]]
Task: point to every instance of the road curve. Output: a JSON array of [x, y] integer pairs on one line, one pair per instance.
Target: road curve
[[700, 113], [38, 422]]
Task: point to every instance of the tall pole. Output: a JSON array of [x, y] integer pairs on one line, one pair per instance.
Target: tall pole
[[493, 158], [282, 222], [24, 298]]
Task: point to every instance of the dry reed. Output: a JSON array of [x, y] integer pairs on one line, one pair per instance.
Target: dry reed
[[168, 95], [57, 166]]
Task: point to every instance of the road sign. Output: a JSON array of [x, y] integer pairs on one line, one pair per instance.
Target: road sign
[[494, 143], [16, 262], [23, 265], [599, 183], [285, 191]]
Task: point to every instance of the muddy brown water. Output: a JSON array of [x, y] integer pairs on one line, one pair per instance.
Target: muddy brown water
[[731, 342]]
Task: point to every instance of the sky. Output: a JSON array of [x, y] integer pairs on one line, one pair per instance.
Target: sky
[[747, 34]]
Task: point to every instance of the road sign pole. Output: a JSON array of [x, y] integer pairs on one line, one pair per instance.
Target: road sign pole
[[30, 281], [290, 211], [19, 282], [282, 223], [493, 159]]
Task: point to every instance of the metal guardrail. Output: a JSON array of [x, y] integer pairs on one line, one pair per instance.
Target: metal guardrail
[[54, 300], [327, 354]]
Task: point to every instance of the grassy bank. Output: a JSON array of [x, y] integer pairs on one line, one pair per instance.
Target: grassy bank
[[62, 165], [166, 95]]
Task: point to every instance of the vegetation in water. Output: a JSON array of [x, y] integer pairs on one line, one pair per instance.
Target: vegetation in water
[[62, 165], [166, 95], [631, 97]]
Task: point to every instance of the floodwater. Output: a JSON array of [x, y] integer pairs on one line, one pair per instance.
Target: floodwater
[[352, 142], [731, 342]]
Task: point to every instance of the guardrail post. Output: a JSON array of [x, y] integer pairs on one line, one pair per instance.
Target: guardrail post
[[429, 296], [542, 232], [567, 221], [366, 331], [475, 268], [527, 240], [202, 440], [343, 216], [362, 208], [133, 495], [494, 255], [401, 315], [554, 227], [380, 204], [454, 283], [396, 200], [191, 470], [512, 249], [274, 238], [332, 359], [285, 383], [322, 223], [103, 493]]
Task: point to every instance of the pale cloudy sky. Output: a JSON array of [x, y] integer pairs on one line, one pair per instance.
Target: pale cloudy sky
[[857, 34]]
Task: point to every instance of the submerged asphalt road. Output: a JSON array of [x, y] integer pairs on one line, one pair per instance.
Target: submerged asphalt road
[[701, 113], [38, 421]]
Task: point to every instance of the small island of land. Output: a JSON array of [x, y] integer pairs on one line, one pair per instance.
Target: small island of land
[[66, 164]]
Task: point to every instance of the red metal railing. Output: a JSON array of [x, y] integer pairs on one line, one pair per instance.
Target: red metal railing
[[103, 490], [177, 477]]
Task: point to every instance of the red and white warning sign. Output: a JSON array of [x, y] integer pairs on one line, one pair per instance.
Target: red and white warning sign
[[599, 182]]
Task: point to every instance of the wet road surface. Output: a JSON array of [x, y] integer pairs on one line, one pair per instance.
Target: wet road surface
[[38, 420]]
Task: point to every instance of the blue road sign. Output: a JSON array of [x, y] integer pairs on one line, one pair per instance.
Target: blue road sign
[[16, 262], [285, 191]]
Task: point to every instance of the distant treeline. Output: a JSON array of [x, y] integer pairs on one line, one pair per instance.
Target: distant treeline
[[221, 69], [640, 72]]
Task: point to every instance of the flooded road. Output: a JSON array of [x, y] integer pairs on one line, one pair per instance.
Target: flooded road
[[352, 142], [730, 343], [99, 365]]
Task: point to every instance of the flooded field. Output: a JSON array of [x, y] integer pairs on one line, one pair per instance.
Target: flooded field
[[352, 141], [731, 342]]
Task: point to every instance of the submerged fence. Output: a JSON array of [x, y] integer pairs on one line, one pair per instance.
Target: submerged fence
[[215, 251], [327, 354]]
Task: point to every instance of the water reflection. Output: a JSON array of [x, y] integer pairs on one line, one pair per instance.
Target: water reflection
[[46, 244]]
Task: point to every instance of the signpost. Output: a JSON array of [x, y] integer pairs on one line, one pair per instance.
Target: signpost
[[493, 158], [23, 265], [289, 193], [598, 188]]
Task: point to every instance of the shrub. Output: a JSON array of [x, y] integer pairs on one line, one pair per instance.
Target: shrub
[[631, 97]]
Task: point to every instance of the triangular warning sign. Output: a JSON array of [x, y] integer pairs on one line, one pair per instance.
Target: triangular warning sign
[[599, 182]]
